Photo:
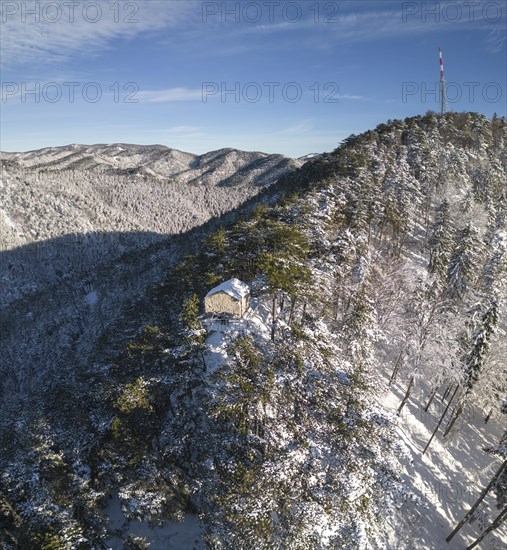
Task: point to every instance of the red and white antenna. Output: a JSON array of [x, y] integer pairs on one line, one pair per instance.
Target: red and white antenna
[[443, 96]]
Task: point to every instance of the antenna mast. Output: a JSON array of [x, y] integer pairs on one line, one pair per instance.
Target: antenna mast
[[443, 95]]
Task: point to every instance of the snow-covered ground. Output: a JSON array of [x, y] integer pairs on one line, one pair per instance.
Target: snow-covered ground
[[448, 478], [170, 536], [255, 323], [188, 534], [445, 482]]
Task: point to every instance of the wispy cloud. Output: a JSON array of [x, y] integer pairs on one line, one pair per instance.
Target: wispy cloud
[[301, 127], [183, 130], [79, 28], [10, 91], [397, 19], [169, 94], [352, 97], [496, 40]]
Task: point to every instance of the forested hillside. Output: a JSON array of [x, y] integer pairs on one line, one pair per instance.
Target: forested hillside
[[382, 263], [145, 192], [85, 229]]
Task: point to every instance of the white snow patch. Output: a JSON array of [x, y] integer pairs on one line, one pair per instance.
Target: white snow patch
[[186, 535], [446, 480], [92, 298]]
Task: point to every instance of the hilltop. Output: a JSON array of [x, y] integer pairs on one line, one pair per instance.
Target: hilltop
[[377, 274]]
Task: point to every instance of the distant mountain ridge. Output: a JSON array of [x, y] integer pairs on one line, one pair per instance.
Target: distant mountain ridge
[[121, 187], [143, 192], [310, 156], [155, 160]]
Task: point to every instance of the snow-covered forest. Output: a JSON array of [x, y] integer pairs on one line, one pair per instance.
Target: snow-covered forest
[[144, 192], [378, 276], [85, 229]]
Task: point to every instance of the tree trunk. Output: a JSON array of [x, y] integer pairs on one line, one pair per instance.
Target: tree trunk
[[400, 247], [431, 397], [484, 492], [407, 394], [447, 392], [427, 214], [334, 312], [273, 315], [304, 312], [440, 421], [502, 516], [457, 414], [396, 366], [292, 308], [203, 360], [381, 234]]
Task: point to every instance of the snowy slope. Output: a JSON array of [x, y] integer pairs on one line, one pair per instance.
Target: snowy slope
[[447, 479], [384, 258]]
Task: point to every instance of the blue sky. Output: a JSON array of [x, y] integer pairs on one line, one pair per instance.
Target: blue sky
[[302, 75]]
